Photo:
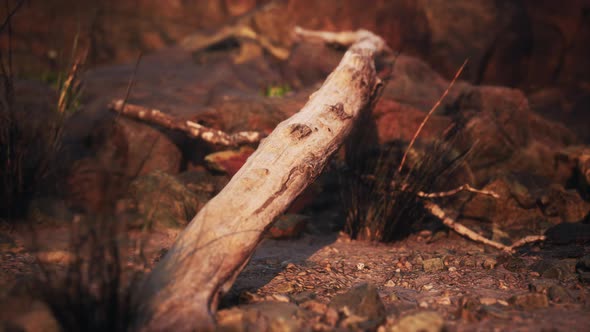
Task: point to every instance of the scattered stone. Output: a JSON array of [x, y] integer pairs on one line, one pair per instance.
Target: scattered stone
[[425, 321], [433, 265], [554, 269], [263, 316], [489, 263], [363, 301], [427, 287], [541, 285], [488, 300], [530, 300], [390, 283]]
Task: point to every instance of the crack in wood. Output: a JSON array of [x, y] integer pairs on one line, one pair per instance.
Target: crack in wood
[[301, 169]]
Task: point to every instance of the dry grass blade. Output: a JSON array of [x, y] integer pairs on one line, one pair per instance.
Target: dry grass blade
[[457, 74], [71, 86]]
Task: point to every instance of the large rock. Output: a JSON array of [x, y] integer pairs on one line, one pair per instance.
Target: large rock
[[565, 104], [159, 200], [113, 154], [264, 316], [505, 134]]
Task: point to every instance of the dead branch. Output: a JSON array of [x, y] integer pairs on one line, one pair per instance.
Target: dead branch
[[436, 211], [465, 187], [182, 291], [193, 129]]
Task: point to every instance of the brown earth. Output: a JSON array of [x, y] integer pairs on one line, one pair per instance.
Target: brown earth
[[466, 285]]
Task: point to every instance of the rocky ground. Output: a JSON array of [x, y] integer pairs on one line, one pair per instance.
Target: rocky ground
[[528, 144], [327, 282]]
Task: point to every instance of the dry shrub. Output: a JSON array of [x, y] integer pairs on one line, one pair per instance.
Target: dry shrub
[[381, 202], [29, 145]]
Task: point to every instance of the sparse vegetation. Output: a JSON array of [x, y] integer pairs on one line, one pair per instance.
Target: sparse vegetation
[[29, 140], [382, 204], [277, 91]]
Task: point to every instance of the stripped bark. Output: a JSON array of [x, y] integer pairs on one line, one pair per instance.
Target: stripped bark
[[182, 291], [191, 128]]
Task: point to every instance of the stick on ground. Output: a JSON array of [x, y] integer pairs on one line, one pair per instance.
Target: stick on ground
[[191, 128], [462, 230]]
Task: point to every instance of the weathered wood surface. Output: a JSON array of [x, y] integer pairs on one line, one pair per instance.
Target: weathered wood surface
[[182, 291]]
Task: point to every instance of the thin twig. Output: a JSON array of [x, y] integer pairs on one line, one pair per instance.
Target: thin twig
[[131, 80], [457, 74], [465, 187], [438, 212]]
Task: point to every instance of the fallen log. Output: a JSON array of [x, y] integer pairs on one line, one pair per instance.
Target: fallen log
[[182, 291]]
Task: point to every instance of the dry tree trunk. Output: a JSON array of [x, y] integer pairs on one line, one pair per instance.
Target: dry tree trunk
[[182, 291]]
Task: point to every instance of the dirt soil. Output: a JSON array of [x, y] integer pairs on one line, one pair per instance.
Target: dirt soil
[[471, 287]]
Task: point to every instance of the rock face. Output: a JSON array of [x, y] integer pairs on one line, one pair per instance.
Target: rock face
[[114, 153], [521, 43]]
